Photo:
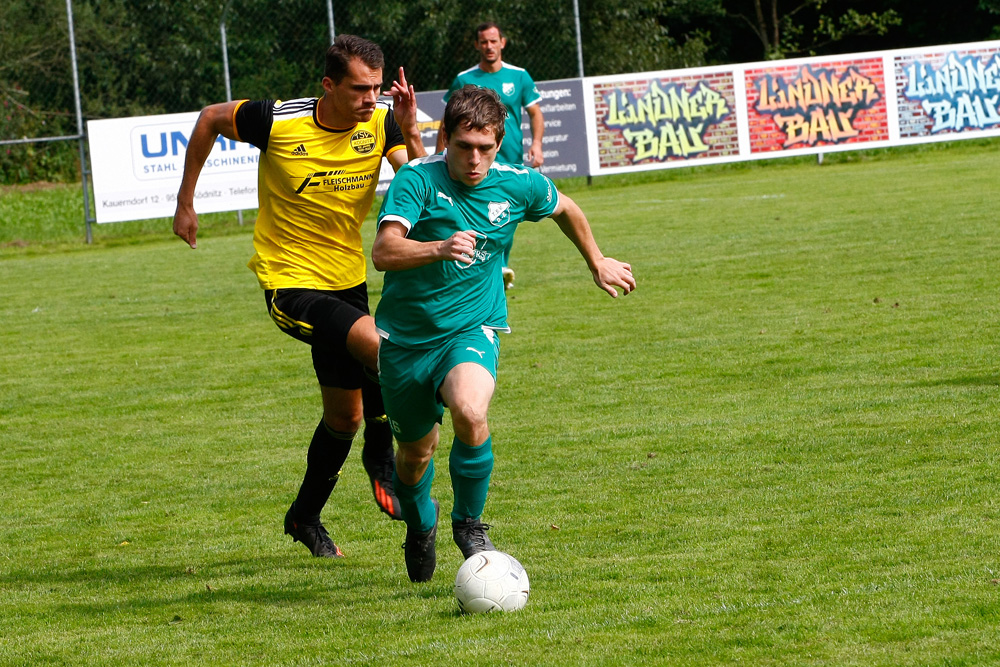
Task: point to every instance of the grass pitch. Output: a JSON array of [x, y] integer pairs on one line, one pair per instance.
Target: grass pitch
[[780, 450]]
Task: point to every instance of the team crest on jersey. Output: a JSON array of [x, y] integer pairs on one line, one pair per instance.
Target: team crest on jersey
[[508, 88], [363, 142], [499, 213]]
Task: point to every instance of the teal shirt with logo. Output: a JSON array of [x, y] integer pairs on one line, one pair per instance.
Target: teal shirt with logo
[[517, 90], [422, 307]]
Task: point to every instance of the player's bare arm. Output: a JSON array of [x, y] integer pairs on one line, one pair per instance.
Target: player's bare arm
[[537, 121], [608, 272], [214, 120], [392, 251], [440, 139], [404, 109]]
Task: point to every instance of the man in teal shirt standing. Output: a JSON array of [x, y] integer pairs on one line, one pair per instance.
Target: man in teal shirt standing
[[517, 91], [442, 230]]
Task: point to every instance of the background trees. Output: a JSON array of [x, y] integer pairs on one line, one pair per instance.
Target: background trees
[[163, 56]]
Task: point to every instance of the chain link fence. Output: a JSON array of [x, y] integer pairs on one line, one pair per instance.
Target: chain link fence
[[36, 94], [166, 56]]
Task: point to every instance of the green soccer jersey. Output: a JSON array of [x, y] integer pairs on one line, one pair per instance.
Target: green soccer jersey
[[517, 90], [424, 306]]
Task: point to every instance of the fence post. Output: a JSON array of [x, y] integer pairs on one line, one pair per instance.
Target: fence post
[[225, 51], [225, 75], [81, 138], [579, 41], [579, 55], [329, 16]]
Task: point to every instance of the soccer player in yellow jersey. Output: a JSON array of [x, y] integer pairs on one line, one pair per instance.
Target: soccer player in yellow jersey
[[319, 165]]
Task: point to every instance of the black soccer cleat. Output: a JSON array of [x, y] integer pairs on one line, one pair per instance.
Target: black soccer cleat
[[315, 538], [470, 536], [380, 474], [419, 553]]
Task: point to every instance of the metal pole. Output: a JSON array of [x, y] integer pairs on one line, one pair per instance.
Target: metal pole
[[225, 58], [579, 41], [38, 140], [329, 15], [79, 122], [225, 76], [579, 55]]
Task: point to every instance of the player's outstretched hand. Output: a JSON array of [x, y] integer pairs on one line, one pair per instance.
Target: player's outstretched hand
[[404, 104], [460, 247], [611, 273], [186, 224]]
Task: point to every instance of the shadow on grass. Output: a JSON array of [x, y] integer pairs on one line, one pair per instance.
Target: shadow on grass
[[278, 581], [991, 380]]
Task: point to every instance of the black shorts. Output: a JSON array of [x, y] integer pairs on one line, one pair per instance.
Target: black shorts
[[323, 318]]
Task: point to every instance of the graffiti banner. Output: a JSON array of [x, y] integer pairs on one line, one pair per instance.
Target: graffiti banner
[[652, 120], [948, 92], [806, 106], [816, 104]]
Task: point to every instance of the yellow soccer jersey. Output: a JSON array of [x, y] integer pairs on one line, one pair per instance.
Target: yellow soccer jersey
[[315, 185]]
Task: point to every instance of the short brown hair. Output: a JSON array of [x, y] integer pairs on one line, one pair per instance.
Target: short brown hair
[[486, 25], [347, 47], [476, 108]]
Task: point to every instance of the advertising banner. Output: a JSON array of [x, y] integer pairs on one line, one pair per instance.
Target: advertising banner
[[945, 93], [781, 108], [564, 143], [137, 165], [649, 121], [626, 122], [816, 104]]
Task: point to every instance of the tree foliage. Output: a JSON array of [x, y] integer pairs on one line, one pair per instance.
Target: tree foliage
[[809, 27], [141, 57], [637, 35]]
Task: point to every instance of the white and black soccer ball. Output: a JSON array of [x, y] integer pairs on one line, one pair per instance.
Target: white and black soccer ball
[[491, 581]]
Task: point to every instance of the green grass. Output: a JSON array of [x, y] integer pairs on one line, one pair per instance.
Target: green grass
[[780, 450]]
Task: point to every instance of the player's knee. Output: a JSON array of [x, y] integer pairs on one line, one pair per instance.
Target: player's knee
[[413, 458], [345, 421], [363, 342], [469, 421]]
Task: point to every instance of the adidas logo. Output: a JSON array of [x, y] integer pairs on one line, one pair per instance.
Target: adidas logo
[[300, 150]]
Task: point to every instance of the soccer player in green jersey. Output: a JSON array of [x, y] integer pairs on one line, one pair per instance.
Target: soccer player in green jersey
[[443, 227], [517, 91]]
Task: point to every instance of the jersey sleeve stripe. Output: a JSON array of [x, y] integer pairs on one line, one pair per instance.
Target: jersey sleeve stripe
[[392, 217], [236, 130], [302, 106]]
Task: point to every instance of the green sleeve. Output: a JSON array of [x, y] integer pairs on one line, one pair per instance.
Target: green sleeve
[[529, 94], [404, 201], [542, 196]]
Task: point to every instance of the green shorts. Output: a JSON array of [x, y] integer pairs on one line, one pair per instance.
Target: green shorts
[[410, 378]]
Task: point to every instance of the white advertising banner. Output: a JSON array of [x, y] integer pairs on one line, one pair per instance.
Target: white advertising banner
[[805, 106], [626, 122], [138, 162]]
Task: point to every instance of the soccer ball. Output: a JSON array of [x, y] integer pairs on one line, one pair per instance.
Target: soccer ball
[[491, 581]]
